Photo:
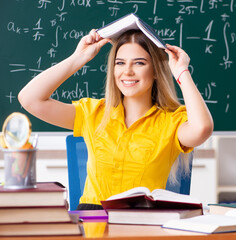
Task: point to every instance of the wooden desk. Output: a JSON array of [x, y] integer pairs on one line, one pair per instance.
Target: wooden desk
[[131, 232]]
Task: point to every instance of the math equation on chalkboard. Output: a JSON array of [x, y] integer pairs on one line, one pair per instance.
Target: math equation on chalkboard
[[38, 34]]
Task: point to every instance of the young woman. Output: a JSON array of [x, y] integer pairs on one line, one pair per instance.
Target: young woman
[[136, 133]]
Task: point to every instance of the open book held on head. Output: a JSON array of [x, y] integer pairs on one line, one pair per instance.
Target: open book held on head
[[129, 22]]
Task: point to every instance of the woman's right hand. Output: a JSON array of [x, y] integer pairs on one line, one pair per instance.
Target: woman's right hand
[[91, 44]]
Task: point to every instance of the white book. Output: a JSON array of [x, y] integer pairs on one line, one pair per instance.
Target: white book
[[149, 216], [129, 22], [205, 224]]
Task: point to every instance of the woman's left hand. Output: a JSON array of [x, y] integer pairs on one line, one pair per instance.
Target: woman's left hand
[[178, 59]]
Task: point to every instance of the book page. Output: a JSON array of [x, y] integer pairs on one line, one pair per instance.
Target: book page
[[162, 194], [231, 213], [211, 219], [132, 192], [115, 33], [204, 223], [116, 28]]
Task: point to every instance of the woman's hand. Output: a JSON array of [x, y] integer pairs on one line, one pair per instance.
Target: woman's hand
[[91, 44], [200, 124], [178, 60]]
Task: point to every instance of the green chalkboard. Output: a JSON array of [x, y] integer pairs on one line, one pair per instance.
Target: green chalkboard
[[37, 34]]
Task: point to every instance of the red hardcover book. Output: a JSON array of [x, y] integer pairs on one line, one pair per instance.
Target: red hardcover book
[[140, 206], [141, 197], [45, 194]]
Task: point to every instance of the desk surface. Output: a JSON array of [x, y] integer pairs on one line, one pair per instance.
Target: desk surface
[[102, 230]]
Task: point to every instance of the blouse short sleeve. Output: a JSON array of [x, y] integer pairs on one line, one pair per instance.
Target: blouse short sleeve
[[88, 114], [79, 117], [179, 117]]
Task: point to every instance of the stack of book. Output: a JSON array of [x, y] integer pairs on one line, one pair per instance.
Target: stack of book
[[36, 212]]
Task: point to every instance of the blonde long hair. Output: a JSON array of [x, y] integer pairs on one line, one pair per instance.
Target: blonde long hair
[[163, 90]]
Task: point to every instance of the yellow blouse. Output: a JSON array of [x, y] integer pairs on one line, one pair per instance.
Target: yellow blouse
[[122, 158]]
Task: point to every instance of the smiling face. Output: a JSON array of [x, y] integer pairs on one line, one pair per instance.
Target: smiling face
[[133, 71]]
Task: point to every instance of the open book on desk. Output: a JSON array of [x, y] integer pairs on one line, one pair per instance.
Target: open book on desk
[[205, 224], [130, 22], [141, 197], [140, 206]]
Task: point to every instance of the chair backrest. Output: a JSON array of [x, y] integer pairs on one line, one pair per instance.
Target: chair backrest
[[77, 171], [77, 156]]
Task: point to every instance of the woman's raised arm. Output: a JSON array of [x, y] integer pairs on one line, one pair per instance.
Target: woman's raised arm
[[35, 96], [200, 124]]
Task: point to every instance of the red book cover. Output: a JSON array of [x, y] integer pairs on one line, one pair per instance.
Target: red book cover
[[158, 199], [147, 202]]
